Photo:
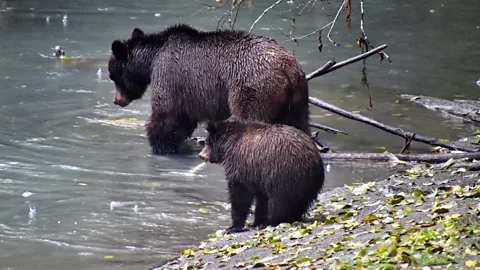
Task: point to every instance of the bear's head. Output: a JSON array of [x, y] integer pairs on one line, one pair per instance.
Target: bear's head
[[124, 71], [221, 140]]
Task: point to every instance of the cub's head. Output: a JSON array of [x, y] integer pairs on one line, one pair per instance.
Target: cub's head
[[129, 85], [221, 140]]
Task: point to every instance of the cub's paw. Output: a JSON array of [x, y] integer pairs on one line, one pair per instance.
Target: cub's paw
[[259, 226], [235, 230]]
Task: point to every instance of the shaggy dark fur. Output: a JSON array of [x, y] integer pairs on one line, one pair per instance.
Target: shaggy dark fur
[[277, 165], [197, 76]]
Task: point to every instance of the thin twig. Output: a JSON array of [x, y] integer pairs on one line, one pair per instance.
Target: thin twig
[[327, 129], [207, 6], [407, 143], [309, 34], [236, 13], [364, 35], [333, 24], [225, 14], [297, 7], [263, 14], [323, 70]]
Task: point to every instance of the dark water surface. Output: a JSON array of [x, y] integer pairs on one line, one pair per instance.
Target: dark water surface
[[78, 186]]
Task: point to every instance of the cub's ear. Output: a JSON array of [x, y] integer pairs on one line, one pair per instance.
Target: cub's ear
[[119, 49], [211, 127], [138, 34]]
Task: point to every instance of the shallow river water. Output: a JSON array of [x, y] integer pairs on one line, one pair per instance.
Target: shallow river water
[[78, 186]]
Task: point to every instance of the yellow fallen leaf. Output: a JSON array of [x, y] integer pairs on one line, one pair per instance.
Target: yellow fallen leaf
[[472, 263], [108, 257]]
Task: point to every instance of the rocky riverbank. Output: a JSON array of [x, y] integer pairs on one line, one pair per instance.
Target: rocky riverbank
[[427, 216]]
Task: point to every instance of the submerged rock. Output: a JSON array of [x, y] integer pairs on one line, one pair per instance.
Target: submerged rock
[[466, 109]]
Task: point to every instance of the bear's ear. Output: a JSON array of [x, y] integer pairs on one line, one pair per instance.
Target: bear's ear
[[211, 127], [138, 34], [119, 49]]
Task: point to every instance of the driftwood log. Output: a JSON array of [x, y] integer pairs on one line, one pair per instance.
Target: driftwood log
[[408, 136], [433, 158]]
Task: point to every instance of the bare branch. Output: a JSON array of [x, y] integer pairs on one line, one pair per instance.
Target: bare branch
[[263, 14], [224, 15], [324, 70], [364, 35], [389, 129], [239, 3], [207, 6], [333, 23], [309, 34], [327, 129]]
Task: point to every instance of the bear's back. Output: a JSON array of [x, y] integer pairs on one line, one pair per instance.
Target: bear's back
[[282, 143]]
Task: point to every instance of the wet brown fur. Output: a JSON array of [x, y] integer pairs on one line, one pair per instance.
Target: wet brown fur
[[198, 76], [277, 165]]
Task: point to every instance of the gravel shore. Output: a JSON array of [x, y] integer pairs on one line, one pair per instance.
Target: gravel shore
[[427, 216]]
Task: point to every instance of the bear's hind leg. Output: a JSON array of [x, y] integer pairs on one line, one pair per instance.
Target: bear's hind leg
[[241, 199], [261, 212], [283, 210]]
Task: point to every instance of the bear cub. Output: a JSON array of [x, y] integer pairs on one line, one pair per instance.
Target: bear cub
[[277, 165]]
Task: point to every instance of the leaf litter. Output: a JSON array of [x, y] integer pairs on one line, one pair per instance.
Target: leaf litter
[[427, 217]]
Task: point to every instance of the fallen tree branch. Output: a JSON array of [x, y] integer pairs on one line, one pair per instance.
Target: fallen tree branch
[[389, 129], [328, 67], [433, 158], [327, 129], [471, 166]]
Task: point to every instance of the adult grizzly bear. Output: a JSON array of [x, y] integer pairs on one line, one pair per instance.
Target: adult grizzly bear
[[277, 165], [197, 76]]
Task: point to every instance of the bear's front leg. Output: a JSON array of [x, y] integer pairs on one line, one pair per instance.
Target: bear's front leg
[[241, 199], [166, 134]]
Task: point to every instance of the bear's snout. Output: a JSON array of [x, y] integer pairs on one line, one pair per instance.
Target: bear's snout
[[120, 99], [204, 154]]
